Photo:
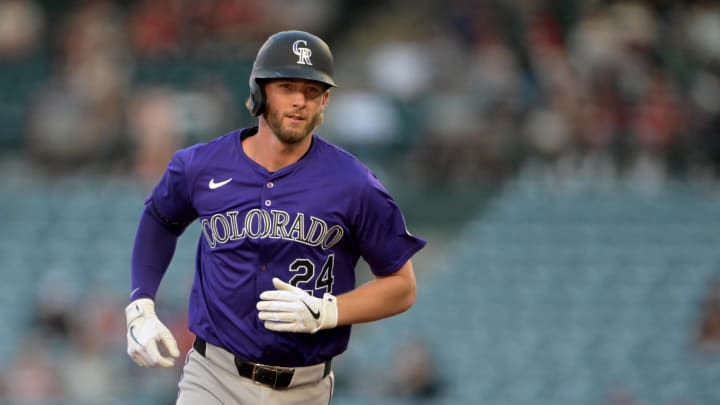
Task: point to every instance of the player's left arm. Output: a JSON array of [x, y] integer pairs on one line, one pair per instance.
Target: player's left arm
[[291, 309], [382, 297], [384, 241]]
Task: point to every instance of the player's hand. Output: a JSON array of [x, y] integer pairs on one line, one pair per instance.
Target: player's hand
[[144, 333], [290, 309]]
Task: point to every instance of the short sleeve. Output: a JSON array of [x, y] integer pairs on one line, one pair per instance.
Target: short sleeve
[[170, 200], [381, 232]]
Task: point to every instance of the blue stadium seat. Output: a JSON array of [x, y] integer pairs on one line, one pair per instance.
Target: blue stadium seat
[[567, 299]]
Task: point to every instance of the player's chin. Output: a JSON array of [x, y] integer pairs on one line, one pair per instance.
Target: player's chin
[[294, 134], [290, 138]]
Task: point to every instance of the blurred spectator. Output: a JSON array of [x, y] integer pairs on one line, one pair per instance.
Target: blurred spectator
[[622, 396], [33, 377], [548, 136], [55, 304], [22, 25], [400, 69], [173, 27], [702, 27], [162, 119], [309, 15], [346, 120], [705, 124], [492, 74], [215, 27], [658, 123], [414, 374], [156, 27], [469, 121], [91, 370], [77, 120], [155, 129], [707, 335]]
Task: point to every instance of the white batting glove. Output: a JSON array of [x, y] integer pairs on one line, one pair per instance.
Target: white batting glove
[[290, 309], [144, 333]]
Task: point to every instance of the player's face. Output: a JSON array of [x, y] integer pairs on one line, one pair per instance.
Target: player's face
[[294, 107]]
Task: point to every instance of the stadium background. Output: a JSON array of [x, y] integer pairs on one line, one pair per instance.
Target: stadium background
[[560, 157]]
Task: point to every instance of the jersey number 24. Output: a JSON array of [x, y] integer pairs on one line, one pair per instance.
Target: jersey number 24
[[304, 270]]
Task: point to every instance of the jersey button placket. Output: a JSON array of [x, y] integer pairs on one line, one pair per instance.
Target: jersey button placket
[[266, 201], [269, 185]]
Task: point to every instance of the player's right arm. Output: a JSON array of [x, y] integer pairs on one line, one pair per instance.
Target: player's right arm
[[153, 249], [167, 213]]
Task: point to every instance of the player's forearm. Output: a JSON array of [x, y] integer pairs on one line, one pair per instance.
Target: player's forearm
[[380, 298], [152, 252]]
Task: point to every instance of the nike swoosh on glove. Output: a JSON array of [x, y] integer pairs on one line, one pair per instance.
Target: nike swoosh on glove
[[145, 332], [290, 309]]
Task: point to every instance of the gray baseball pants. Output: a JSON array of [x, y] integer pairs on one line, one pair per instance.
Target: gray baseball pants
[[213, 379]]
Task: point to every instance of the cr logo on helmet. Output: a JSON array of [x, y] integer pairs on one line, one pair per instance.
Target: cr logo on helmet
[[302, 53]]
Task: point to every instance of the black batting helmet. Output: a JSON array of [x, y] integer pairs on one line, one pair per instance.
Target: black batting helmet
[[289, 54]]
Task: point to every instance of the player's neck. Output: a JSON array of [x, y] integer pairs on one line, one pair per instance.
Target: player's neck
[[271, 153]]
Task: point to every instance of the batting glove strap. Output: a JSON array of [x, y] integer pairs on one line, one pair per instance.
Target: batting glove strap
[[140, 307], [290, 309], [145, 332]]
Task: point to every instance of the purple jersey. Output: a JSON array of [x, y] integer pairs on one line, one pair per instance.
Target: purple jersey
[[307, 223]]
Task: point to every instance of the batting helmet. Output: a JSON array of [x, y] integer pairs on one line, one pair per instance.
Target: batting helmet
[[289, 54]]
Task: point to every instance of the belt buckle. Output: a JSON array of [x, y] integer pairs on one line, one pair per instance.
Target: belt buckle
[[262, 367], [253, 376]]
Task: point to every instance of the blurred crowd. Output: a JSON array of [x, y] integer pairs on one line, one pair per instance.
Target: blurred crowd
[[73, 351], [445, 94], [123, 85], [605, 89]]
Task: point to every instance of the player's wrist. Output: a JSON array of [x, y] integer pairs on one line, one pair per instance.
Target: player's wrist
[[330, 311], [144, 307]]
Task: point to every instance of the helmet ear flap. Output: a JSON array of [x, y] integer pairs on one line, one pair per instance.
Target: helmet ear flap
[[256, 100]]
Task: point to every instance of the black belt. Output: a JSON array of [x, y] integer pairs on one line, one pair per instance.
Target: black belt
[[275, 377]]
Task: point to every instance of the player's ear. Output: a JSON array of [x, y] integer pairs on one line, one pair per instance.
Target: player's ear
[[326, 98]]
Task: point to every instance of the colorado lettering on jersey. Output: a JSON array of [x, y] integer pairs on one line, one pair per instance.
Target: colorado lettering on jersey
[[277, 224]]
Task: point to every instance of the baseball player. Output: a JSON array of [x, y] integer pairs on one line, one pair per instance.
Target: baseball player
[[285, 216]]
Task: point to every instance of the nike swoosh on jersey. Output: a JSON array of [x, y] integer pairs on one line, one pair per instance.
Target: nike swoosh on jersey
[[213, 185], [315, 314]]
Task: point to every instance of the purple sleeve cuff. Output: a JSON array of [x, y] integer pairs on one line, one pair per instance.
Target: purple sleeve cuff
[[152, 252]]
